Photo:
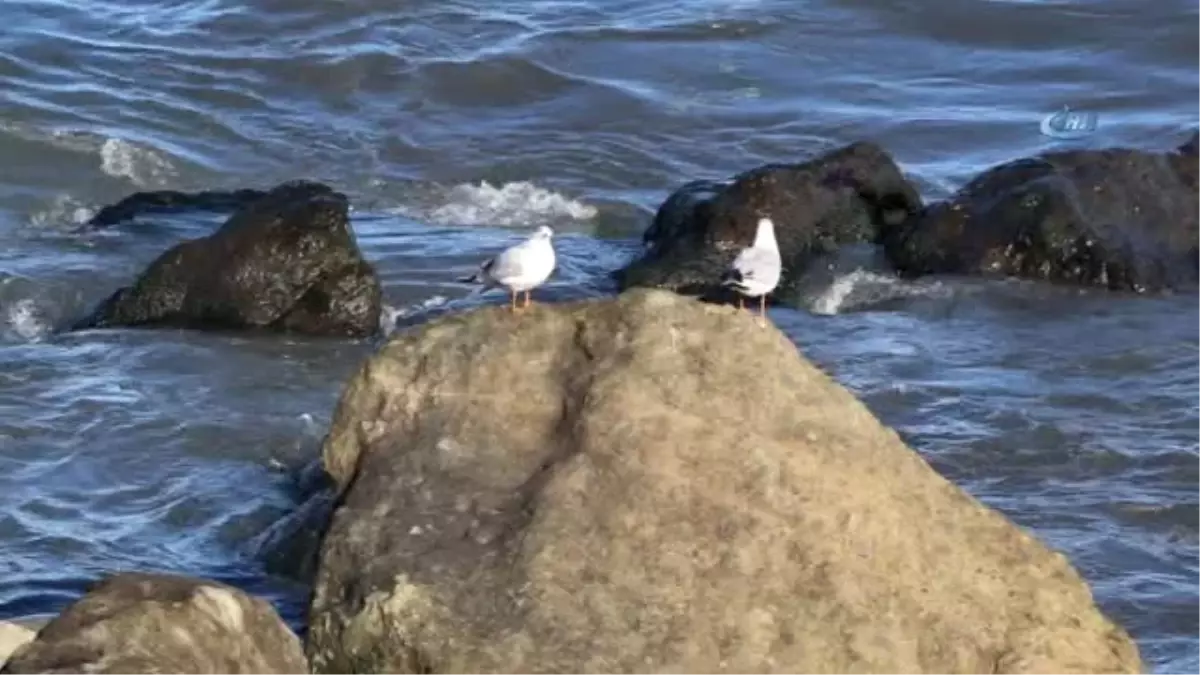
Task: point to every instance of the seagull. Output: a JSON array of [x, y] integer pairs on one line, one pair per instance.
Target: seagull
[[519, 268], [756, 270]]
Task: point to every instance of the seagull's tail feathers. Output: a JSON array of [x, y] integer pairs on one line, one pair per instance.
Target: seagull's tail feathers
[[733, 279], [481, 281], [481, 276]]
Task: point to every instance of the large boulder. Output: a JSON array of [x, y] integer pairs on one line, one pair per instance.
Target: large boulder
[[1118, 218], [839, 198], [154, 623], [656, 484], [288, 261]]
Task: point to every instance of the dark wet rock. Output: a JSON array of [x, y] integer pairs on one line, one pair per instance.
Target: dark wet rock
[[160, 202], [654, 484], [156, 623], [289, 546], [287, 262], [843, 197], [1118, 218], [1192, 146]]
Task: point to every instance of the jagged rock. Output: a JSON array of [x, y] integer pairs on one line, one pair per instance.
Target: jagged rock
[[1120, 219], [655, 484], [288, 261], [842, 197], [155, 623]]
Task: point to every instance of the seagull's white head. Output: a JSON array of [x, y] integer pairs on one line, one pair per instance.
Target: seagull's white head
[[764, 235], [543, 232]]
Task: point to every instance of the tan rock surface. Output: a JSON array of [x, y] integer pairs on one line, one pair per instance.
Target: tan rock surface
[[651, 484], [12, 636], [153, 623]]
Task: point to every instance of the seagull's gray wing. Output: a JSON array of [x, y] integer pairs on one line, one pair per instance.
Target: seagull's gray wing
[[754, 263], [508, 264]]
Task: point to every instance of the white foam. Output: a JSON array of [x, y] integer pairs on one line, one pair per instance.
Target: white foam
[[310, 425], [390, 315], [519, 203], [387, 319], [831, 300], [145, 167], [64, 210], [25, 321], [864, 287]]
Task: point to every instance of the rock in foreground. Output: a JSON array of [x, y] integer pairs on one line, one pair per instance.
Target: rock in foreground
[[286, 262], [12, 637], [1120, 219], [843, 197], [653, 484], [152, 623]]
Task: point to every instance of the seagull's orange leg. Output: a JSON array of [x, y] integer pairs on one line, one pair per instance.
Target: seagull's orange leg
[[741, 302], [513, 300], [528, 299], [762, 305]]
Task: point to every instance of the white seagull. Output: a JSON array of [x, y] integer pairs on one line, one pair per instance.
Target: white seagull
[[519, 268], [756, 270]]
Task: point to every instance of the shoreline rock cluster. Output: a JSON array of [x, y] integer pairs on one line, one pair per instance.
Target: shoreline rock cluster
[[617, 485], [645, 482], [1121, 219]]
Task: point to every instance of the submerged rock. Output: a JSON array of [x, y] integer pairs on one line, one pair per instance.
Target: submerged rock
[[654, 484], [288, 261], [1121, 219], [159, 202], [155, 623], [842, 197]]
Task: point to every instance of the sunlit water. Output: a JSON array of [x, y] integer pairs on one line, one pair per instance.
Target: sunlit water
[[453, 129]]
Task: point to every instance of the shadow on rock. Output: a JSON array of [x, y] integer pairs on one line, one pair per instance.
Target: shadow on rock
[[288, 261], [1118, 218], [654, 484], [159, 623], [843, 197]]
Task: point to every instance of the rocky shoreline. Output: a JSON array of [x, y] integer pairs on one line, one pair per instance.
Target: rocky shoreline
[[640, 483], [1121, 219], [644, 482]]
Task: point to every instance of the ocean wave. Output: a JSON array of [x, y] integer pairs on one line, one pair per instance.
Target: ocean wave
[[139, 162], [862, 288]]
